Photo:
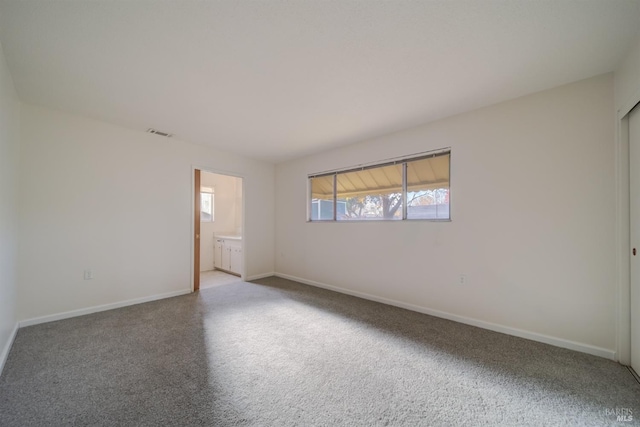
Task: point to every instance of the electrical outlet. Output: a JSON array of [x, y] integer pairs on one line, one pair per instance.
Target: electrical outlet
[[88, 275], [462, 280]]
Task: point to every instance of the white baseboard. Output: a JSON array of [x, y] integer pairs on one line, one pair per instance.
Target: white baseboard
[[259, 276], [97, 308], [534, 336], [7, 347]]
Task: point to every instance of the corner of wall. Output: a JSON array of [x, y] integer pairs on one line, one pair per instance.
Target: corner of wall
[[9, 160], [4, 355]]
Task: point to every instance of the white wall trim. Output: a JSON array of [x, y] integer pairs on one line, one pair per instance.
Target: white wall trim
[[97, 308], [546, 339], [623, 231], [260, 276], [632, 102], [7, 348], [623, 273]]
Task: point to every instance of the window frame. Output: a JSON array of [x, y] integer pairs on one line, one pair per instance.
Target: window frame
[[403, 161]]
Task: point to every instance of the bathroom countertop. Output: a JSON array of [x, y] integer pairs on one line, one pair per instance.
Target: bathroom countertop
[[227, 237]]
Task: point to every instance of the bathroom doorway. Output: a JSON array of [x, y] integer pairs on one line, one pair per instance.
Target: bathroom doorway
[[218, 229]]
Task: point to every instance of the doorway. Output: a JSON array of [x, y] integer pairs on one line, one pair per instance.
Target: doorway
[[218, 229]]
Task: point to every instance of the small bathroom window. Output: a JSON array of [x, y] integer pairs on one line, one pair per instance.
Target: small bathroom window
[[206, 204]]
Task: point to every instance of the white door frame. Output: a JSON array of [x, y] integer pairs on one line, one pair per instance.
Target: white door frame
[[209, 169], [623, 258]]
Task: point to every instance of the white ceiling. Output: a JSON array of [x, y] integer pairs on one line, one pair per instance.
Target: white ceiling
[[276, 80]]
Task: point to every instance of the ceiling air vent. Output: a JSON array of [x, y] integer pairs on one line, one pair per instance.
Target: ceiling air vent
[[157, 132]]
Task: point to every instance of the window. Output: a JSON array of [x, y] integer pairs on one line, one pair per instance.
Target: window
[[322, 197], [410, 188], [373, 193], [206, 204], [428, 188]]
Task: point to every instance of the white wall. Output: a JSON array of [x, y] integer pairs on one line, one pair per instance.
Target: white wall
[[119, 202], [9, 156], [238, 208], [227, 214], [533, 210]]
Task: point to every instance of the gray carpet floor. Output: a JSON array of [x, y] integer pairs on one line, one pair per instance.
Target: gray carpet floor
[[278, 353]]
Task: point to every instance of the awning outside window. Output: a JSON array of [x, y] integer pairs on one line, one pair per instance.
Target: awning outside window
[[422, 174]]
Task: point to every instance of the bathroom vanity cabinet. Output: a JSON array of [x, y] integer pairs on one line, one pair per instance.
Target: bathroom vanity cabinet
[[228, 254]]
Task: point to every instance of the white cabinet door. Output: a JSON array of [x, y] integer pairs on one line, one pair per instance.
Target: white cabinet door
[[236, 259], [217, 254], [226, 257]]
